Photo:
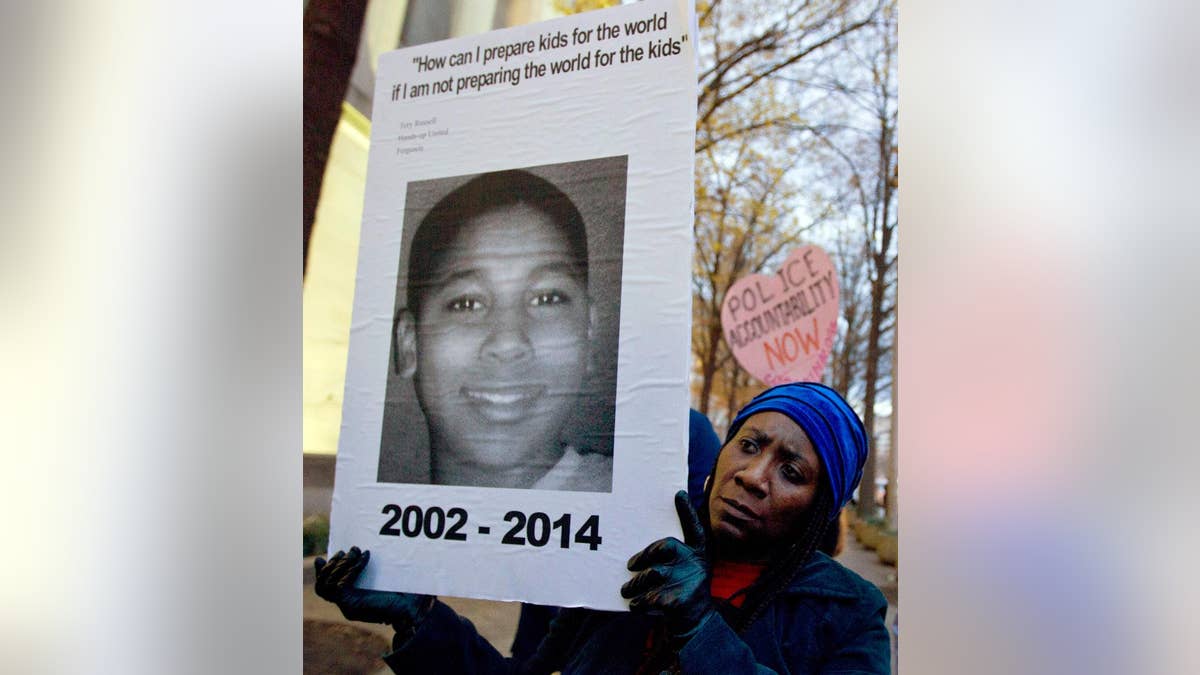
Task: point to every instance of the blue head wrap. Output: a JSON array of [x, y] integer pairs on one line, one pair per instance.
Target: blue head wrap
[[836, 432]]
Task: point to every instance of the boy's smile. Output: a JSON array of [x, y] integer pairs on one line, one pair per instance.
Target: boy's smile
[[503, 403]]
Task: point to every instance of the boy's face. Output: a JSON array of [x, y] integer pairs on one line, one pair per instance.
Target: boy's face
[[502, 340]]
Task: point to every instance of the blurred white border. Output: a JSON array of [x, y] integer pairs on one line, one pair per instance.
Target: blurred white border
[[151, 337], [1047, 151]]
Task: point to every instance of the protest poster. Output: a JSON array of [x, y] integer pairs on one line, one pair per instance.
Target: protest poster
[[780, 327], [514, 421]]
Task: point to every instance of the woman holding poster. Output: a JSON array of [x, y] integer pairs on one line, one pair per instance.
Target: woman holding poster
[[746, 591]]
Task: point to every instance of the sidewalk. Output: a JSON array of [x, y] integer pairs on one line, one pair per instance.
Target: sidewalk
[[497, 621], [866, 563]]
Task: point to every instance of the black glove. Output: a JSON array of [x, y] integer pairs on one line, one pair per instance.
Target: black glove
[[335, 583], [672, 577]]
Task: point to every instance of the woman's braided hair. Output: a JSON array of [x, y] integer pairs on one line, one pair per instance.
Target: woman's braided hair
[[782, 570]]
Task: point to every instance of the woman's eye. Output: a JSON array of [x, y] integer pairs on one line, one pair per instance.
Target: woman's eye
[[465, 304], [793, 475], [749, 445], [549, 298]]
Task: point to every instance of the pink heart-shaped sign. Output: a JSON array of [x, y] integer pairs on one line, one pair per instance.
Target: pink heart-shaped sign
[[781, 327]]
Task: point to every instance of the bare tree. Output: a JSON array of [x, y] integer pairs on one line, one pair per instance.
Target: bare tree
[[745, 46], [845, 371], [869, 154], [753, 129], [744, 224]]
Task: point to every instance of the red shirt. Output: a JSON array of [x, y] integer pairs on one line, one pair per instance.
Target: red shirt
[[729, 578]]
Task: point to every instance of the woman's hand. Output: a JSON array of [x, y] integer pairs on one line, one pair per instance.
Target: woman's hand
[[335, 583], [672, 576]]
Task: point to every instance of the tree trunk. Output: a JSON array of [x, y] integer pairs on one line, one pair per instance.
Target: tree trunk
[[866, 491], [331, 32], [893, 446], [708, 365], [737, 380]]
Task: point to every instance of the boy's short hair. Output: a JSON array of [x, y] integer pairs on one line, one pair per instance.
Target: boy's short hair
[[440, 227]]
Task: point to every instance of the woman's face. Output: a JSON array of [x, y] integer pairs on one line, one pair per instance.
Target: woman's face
[[766, 479], [502, 341]]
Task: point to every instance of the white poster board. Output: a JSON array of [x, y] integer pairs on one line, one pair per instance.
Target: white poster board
[[515, 415]]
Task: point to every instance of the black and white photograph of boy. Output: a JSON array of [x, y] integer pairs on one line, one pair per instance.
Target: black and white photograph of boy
[[502, 371]]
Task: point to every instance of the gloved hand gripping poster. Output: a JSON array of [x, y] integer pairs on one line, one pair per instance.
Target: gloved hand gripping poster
[[515, 416]]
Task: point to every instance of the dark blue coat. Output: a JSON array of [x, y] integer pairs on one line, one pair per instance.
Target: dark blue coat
[[830, 620]]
